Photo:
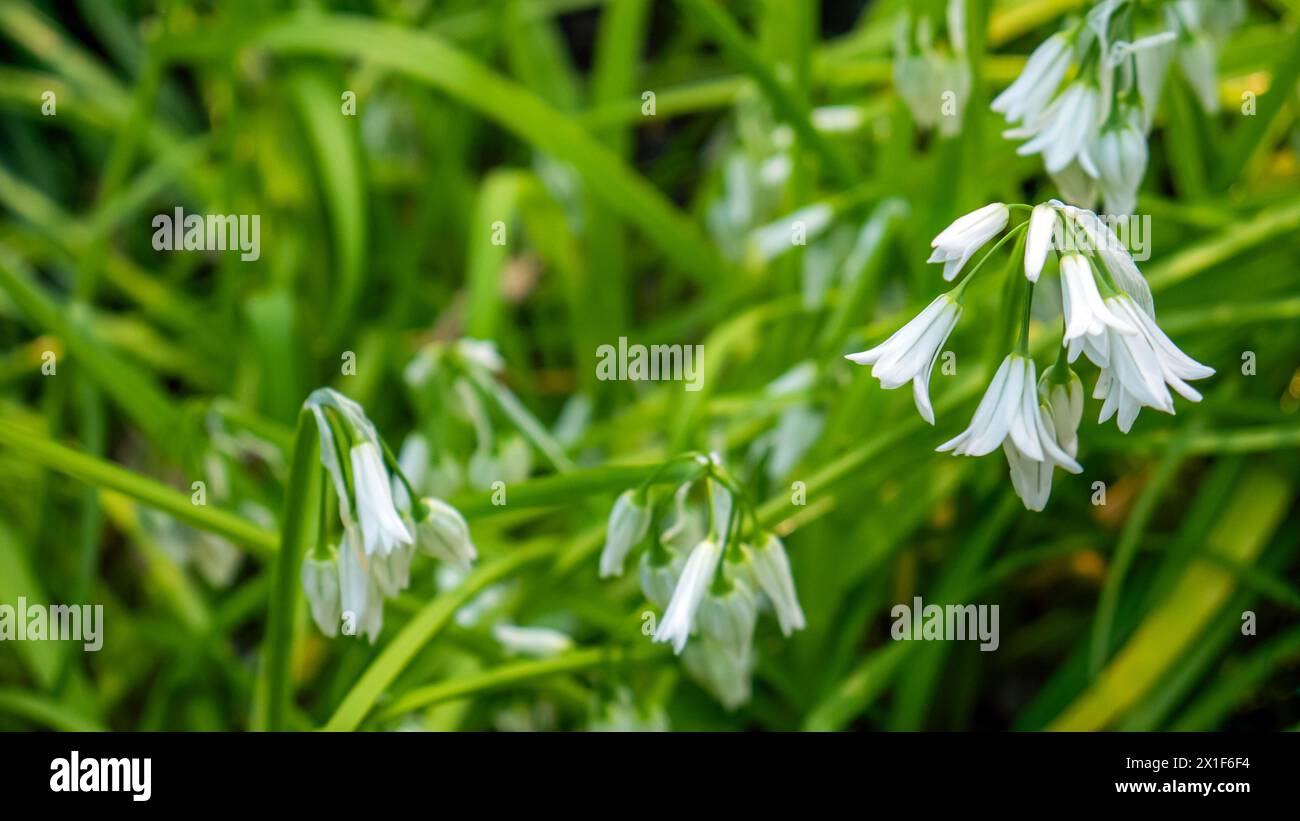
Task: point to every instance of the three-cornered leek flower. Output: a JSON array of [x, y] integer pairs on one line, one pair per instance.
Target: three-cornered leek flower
[[379, 538], [320, 582], [658, 572], [1043, 223], [1138, 369], [629, 521], [728, 615], [771, 567], [1108, 313], [697, 575], [1061, 131], [1061, 409], [1117, 159], [442, 533], [360, 599], [1026, 98], [910, 353], [1009, 412], [1085, 312], [382, 529], [955, 244]]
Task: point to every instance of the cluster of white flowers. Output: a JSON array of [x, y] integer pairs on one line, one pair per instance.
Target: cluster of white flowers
[[1092, 133], [711, 581], [346, 585], [933, 80], [1108, 316]]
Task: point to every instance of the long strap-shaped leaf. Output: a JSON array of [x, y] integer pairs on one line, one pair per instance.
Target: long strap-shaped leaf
[[429, 59]]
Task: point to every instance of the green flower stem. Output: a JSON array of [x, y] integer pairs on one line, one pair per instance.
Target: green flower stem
[[420, 630], [516, 673], [1018, 233], [101, 473], [297, 523]]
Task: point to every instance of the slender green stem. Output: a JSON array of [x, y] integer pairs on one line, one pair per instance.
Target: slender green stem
[[1015, 232], [296, 524]]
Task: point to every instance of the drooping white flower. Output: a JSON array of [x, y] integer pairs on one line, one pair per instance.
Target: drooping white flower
[[320, 581], [442, 533], [771, 568], [1038, 240], [728, 618], [697, 575], [1064, 401], [1131, 377], [910, 353], [722, 671], [1026, 98], [1085, 312], [392, 571], [382, 529], [629, 521], [659, 578], [1117, 159], [361, 603], [1138, 367], [1009, 410], [955, 244], [1152, 64], [1061, 411], [1060, 132]]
